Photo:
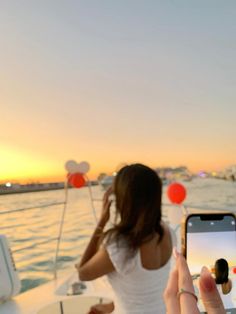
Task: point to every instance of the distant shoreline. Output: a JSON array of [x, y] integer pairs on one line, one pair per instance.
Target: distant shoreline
[[31, 188], [16, 189]]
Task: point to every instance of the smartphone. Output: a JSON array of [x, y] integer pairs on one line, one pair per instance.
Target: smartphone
[[209, 239]]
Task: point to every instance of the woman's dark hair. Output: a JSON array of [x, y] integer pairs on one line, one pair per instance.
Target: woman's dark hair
[[221, 271], [138, 192]]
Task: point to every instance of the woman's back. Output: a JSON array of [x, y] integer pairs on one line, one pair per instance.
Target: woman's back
[[139, 280], [137, 246], [154, 255]]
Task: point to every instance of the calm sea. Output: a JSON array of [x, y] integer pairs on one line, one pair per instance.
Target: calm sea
[[24, 229]]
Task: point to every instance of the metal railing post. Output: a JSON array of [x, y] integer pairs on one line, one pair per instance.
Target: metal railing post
[[60, 231]]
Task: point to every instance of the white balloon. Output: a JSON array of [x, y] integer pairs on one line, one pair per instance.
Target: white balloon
[[175, 215], [83, 167], [71, 166]]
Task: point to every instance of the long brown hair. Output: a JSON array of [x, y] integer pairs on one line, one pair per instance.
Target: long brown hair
[[138, 192]]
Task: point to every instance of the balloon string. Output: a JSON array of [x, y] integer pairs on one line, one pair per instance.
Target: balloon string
[[91, 198], [184, 210]]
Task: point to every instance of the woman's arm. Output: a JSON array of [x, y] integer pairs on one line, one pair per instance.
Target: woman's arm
[[95, 262], [93, 245], [226, 287]]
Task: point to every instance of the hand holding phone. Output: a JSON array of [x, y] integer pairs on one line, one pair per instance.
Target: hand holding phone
[[179, 294], [209, 239]]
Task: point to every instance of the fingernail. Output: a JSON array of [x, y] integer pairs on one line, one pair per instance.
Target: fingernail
[[205, 271], [175, 252], [207, 282]]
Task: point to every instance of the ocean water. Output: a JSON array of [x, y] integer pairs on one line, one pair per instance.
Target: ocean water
[[35, 265]]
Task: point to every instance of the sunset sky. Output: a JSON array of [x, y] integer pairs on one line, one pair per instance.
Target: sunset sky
[[116, 81]]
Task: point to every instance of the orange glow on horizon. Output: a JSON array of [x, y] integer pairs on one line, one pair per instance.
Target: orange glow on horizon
[[18, 165]]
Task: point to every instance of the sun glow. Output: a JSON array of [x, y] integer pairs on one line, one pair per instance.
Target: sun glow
[[19, 165]]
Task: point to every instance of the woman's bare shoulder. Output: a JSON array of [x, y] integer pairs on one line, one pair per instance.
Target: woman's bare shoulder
[[159, 251]]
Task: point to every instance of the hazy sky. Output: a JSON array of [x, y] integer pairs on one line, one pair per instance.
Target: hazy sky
[[116, 81]]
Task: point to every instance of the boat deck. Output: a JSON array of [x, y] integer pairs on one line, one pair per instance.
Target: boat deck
[[49, 298]]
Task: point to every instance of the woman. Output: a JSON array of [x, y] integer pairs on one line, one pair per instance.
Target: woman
[[136, 251], [222, 275]]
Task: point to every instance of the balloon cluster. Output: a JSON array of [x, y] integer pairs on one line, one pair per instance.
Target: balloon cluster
[[76, 172]]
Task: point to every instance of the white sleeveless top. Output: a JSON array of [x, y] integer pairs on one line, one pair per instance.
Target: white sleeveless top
[[140, 291]]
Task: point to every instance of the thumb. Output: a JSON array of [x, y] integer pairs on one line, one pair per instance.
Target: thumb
[[209, 293]]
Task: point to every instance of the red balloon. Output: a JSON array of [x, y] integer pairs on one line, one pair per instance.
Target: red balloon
[[234, 270], [176, 193], [76, 180]]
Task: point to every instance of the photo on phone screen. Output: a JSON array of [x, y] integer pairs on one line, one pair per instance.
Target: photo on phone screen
[[210, 241]]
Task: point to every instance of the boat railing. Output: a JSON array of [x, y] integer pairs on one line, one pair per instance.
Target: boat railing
[[184, 209], [56, 239], [11, 211]]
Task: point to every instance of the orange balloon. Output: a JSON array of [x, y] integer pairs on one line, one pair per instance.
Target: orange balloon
[[76, 180], [176, 193]]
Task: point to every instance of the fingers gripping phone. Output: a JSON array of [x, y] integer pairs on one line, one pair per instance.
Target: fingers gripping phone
[[209, 240]]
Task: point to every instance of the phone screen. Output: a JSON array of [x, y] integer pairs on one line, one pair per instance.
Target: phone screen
[[211, 242]]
